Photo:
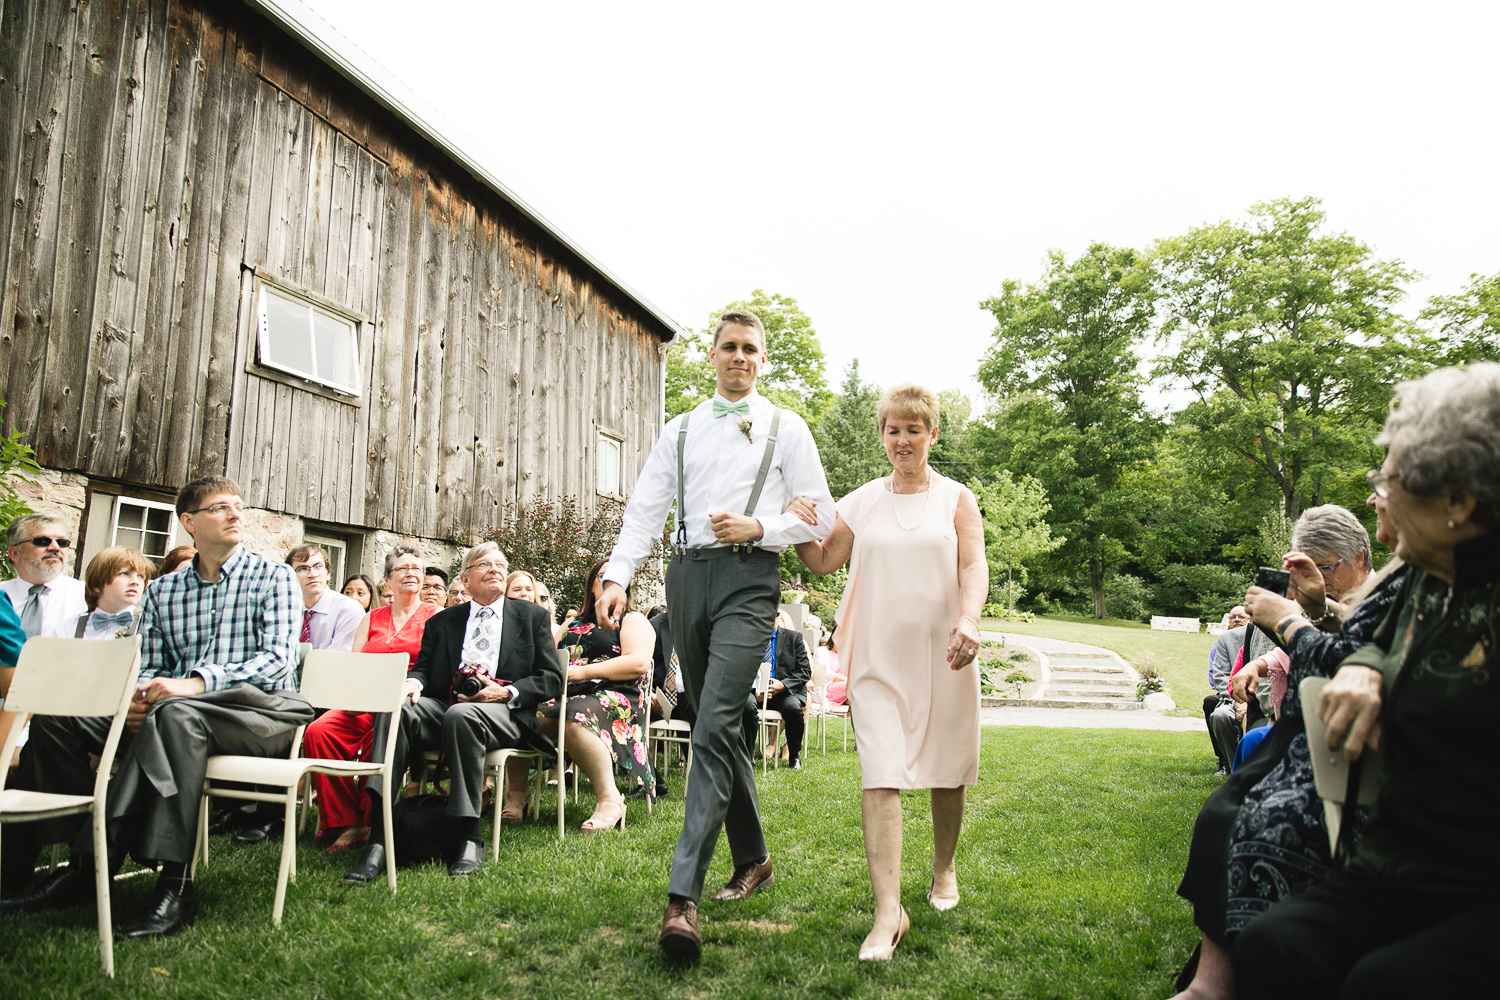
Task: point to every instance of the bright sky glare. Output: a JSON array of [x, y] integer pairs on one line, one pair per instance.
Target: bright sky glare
[[889, 165]]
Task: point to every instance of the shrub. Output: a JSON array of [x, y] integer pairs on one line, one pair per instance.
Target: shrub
[[1126, 597], [15, 459], [557, 541], [1205, 592], [1151, 679]]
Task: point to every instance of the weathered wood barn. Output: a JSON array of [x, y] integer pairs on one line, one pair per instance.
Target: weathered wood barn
[[230, 248]]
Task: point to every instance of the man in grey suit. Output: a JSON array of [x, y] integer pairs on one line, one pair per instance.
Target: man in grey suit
[[732, 465]]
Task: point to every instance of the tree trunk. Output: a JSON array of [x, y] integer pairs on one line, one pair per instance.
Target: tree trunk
[[1096, 578]]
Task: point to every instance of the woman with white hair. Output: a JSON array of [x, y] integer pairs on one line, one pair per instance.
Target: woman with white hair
[[1415, 911]]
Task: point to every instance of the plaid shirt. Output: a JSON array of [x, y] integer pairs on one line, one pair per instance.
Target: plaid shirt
[[256, 602]]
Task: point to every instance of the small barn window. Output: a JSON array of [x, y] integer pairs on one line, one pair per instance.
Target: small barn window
[[308, 340], [144, 525], [610, 451]]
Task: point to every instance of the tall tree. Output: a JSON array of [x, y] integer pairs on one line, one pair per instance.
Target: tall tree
[[848, 438], [690, 378], [1064, 368], [1467, 325], [1015, 525], [1288, 338]]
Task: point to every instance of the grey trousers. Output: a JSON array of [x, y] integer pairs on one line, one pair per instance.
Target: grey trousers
[[146, 824], [723, 608], [465, 733]]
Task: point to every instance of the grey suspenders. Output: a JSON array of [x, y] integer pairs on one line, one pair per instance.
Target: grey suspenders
[[760, 478]]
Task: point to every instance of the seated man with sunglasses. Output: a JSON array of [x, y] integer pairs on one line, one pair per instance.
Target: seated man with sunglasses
[[46, 599], [218, 675]]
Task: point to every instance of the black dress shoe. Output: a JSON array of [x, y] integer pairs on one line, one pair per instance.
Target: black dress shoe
[[370, 867], [795, 765], [256, 834], [230, 820], [171, 910], [470, 857], [67, 886]]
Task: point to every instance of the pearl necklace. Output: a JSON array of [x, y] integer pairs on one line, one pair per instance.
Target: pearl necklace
[[926, 498]]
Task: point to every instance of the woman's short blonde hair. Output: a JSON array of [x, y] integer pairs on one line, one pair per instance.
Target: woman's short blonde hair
[[107, 565], [907, 401]]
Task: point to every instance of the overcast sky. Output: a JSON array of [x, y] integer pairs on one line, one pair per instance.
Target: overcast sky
[[889, 165]]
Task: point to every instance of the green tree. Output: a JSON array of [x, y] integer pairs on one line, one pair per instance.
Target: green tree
[[1015, 524], [15, 461], [1467, 324], [848, 437], [1064, 368], [690, 378], [1287, 337], [954, 454]]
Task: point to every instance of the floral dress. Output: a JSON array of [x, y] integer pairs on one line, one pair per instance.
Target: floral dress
[[613, 709]]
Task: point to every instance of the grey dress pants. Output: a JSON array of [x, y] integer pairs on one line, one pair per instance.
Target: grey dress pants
[[723, 608]]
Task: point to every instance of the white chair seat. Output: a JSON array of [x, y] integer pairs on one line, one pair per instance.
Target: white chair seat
[[42, 805], [278, 771]]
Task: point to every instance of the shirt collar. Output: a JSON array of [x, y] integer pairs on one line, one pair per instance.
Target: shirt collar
[[230, 567], [750, 397], [498, 605]]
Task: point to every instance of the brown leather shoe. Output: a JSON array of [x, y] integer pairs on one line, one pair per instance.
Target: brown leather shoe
[[747, 879], [679, 938]]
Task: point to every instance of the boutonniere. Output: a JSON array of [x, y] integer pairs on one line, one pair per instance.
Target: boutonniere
[[744, 426], [122, 633]]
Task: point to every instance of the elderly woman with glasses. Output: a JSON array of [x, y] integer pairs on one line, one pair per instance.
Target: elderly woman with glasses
[[1260, 837], [1415, 911]]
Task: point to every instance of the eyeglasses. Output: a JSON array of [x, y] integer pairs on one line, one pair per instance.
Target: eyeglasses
[[487, 566], [1330, 567], [1378, 478], [306, 568], [406, 569], [44, 541], [219, 509]]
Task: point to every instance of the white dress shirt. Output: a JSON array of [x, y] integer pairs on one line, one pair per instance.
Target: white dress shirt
[[489, 657], [720, 466], [334, 621], [62, 602], [92, 631]]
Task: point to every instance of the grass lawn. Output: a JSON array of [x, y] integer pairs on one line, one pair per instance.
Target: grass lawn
[[1073, 844], [1181, 657]]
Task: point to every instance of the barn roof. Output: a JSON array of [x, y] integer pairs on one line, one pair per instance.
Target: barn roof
[[325, 42]]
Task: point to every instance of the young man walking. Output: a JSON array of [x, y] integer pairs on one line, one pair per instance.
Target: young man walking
[[731, 465]]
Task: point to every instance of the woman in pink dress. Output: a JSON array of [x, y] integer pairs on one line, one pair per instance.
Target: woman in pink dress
[[343, 806], [908, 634]]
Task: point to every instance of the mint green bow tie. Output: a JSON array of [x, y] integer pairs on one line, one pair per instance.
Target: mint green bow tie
[[740, 409]]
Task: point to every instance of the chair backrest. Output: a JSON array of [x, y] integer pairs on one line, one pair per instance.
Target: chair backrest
[[819, 673], [354, 682], [1330, 769], [73, 677]]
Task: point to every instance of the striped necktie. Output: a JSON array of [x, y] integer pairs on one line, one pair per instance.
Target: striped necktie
[[31, 614], [306, 635]]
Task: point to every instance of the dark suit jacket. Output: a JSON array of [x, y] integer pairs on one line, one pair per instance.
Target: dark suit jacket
[[793, 668], [528, 659]]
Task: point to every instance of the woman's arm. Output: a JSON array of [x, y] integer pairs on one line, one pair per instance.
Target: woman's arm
[[973, 581], [832, 552], [637, 642], [362, 633]]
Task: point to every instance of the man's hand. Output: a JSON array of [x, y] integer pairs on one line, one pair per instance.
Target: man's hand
[[735, 529], [774, 688], [411, 691], [1350, 707], [1242, 685], [612, 604], [493, 691], [155, 690]]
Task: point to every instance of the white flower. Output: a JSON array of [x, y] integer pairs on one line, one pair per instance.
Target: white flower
[[744, 426]]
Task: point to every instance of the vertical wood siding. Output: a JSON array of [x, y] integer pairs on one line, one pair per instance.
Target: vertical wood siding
[[156, 158]]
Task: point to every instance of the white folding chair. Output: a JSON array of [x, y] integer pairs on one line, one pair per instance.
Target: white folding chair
[[495, 761], [1330, 769], [770, 719], [80, 679], [819, 707], [662, 733], [353, 682]]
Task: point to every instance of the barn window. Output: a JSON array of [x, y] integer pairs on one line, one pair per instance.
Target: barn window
[[308, 340], [610, 451], [143, 525]]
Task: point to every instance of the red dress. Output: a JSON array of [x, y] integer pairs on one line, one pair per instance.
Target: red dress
[[347, 735]]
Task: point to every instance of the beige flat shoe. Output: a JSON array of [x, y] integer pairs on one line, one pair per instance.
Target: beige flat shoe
[[941, 903], [882, 952]]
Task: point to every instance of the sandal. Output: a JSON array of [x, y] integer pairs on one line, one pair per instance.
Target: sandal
[[941, 903], [513, 814], [352, 836], [595, 825], [881, 952]]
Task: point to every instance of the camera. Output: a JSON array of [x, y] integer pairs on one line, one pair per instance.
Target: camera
[[469, 680], [1274, 580]]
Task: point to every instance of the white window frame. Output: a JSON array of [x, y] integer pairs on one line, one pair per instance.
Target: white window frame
[[174, 532], [265, 352], [609, 465]]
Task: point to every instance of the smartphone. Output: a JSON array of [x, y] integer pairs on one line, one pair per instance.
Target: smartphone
[[1274, 580]]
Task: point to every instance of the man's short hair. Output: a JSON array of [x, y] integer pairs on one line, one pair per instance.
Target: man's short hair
[[434, 571], [24, 526], [478, 552], [107, 565], [304, 553], [191, 496], [742, 317]]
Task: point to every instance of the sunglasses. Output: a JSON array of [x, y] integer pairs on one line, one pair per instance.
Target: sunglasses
[[42, 541]]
